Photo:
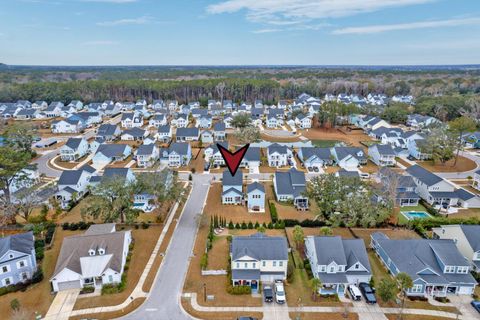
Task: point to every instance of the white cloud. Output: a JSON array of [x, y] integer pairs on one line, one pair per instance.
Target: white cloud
[[266, 30], [122, 22], [100, 43], [408, 26], [266, 11], [111, 1]]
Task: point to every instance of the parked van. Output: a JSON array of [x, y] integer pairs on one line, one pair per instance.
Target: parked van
[[355, 293]]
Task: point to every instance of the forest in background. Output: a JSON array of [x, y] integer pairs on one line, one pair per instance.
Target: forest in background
[[448, 86]]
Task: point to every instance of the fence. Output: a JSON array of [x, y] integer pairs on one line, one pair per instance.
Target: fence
[[214, 272]]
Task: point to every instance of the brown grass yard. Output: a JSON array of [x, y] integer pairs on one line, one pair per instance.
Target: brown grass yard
[[353, 138], [37, 297], [403, 162], [466, 213], [65, 164], [215, 285], [145, 240], [463, 164], [270, 138], [196, 163], [236, 213], [414, 317], [217, 315], [370, 167], [322, 316]]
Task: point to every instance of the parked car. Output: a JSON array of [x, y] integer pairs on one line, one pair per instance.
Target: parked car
[[364, 175], [246, 318], [267, 293], [476, 305], [355, 293], [367, 293], [279, 292]]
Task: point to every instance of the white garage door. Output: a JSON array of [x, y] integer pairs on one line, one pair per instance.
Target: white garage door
[[69, 285], [271, 277], [465, 290]]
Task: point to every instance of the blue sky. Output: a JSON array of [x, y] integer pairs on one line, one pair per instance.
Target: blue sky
[[236, 32]]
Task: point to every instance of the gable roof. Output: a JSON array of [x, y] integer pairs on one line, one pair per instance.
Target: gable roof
[[73, 143], [291, 182], [188, 132], [252, 154], [275, 147], [229, 180], [259, 247], [179, 147], [112, 150], [255, 186], [472, 233], [423, 175], [320, 153], [145, 149], [21, 242], [134, 132], [384, 149], [106, 129], [70, 177]]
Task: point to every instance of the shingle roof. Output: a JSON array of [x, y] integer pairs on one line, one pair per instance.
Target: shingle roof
[[229, 180], [472, 233], [100, 228], [252, 154], [70, 177], [321, 153], [21, 242], [145, 149], [291, 182], [73, 143], [275, 147], [255, 186], [135, 132], [116, 172], [384, 149], [112, 150], [343, 152], [260, 247], [187, 132], [423, 175], [179, 147], [106, 129]]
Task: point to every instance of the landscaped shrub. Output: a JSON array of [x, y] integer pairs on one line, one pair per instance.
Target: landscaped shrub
[[204, 261], [239, 290], [273, 211], [115, 288], [231, 225], [244, 225], [66, 226], [39, 253], [145, 225], [89, 289], [257, 225], [237, 226], [250, 225]]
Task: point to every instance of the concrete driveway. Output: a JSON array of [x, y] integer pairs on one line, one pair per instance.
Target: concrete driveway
[[275, 311], [62, 305], [462, 303]]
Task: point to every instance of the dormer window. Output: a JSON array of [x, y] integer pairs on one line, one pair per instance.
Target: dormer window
[[91, 252], [101, 251]]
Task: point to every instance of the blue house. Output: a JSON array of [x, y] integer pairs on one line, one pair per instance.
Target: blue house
[[256, 197], [436, 267], [17, 258], [232, 187]]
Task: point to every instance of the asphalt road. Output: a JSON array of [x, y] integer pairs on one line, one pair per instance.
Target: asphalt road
[[462, 175], [163, 301]]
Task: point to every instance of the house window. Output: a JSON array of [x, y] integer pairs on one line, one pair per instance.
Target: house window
[[357, 266], [264, 263], [280, 263], [274, 263], [449, 269], [24, 276], [254, 265], [322, 269], [332, 269], [238, 265], [417, 288], [110, 278], [7, 281], [5, 269], [462, 269], [21, 264], [246, 265]]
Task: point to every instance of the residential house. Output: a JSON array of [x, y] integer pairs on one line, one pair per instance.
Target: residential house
[[132, 120], [54, 109], [273, 122], [436, 267], [347, 173], [112, 110], [181, 121], [178, 154], [133, 134], [251, 160], [198, 113], [415, 149], [213, 154], [92, 259], [258, 258], [187, 134], [109, 132], [349, 158], [18, 262], [472, 140], [164, 133], [67, 126], [290, 186], [73, 185], [204, 122], [77, 104], [157, 120], [418, 121], [219, 131], [337, 263], [158, 104], [74, 149], [206, 136], [432, 188], [89, 118], [279, 155], [466, 238], [372, 123], [147, 155], [232, 187], [255, 197], [282, 104], [302, 121], [382, 155], [403, 186], [40, 105], [315, 157], [227, 119], [107, 153]]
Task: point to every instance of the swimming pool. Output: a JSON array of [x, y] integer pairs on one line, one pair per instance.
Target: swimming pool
[[410, 215]]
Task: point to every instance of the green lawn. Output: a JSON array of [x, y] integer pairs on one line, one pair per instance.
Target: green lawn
[[325, 143], [401, 217]]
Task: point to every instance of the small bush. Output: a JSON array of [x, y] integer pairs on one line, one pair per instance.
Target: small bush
[[239, 290], [145, 225], [87, 289], [204, 261], [273, 212]]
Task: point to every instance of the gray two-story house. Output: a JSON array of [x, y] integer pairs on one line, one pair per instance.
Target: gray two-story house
[[17, 258]]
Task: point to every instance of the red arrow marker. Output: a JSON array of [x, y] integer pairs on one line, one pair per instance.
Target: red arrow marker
[[234, 159]]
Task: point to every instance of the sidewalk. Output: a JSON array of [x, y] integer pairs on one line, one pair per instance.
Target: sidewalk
[[62, 305], [367, 312]]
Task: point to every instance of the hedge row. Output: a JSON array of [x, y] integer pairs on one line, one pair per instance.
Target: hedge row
[[22, 286], [273, 211]]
